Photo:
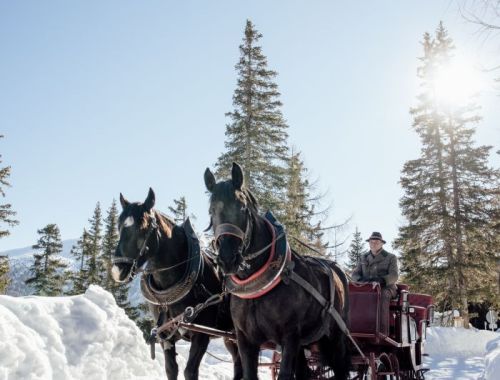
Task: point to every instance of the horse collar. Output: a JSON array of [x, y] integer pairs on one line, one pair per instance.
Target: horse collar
[[268, 276], [181, 289]]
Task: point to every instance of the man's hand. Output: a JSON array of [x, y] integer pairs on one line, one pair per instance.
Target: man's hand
[[379, 280]]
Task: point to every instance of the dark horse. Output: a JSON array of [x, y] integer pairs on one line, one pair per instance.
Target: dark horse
[[177, 276], [269, 302]]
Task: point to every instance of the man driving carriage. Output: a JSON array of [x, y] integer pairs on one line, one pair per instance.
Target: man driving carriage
[[379, 267]]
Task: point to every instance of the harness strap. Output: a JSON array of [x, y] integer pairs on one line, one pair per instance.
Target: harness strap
[[323, 302]]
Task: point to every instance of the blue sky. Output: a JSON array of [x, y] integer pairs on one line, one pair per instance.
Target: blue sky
[[103, 97]]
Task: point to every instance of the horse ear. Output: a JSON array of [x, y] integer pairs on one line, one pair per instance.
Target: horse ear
[[150, 200], [209, 180], [123, 201], [237, 176]]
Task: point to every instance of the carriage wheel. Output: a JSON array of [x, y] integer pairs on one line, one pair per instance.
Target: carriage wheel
[[395, 366], [380, 368]]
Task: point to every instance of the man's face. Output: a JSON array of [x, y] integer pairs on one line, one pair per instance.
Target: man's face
[[375, 245]]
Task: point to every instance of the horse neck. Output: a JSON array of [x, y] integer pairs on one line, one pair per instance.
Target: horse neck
[[172, 252], [261, 237]]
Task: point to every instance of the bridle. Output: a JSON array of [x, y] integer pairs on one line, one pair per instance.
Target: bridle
[[233, 230], [139, 261]]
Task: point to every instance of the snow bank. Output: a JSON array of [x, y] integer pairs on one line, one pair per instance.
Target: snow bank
[[79, 337], [88, 337], [460, 342], [458, 353], [492, 360]]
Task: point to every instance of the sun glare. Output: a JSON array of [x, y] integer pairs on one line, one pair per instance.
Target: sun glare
[[456, 83]]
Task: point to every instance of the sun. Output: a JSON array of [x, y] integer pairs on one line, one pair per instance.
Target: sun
[[455, 83]]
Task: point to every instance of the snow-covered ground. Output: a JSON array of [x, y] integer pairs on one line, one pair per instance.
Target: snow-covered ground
[[89, 337], [459, 354]]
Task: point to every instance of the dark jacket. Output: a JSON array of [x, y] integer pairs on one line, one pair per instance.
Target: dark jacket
[[383, 266]]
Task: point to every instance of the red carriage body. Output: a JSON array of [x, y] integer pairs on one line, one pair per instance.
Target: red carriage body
[[399, 355]]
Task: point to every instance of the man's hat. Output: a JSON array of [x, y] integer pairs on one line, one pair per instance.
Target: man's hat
[[376, 236]]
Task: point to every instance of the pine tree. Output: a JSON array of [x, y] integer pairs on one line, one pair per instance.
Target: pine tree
[[256, 136], [299, 212], [355, 250], [448, 242], [4, 273], [96, 264], [6, 212], [48, 271], [179, 211], [79, 278], [109, 242]]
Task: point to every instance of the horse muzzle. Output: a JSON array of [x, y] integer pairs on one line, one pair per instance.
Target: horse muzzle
[[230, 265], [121, 272]]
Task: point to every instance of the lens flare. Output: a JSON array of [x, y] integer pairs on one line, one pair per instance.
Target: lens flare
[[455, 83]]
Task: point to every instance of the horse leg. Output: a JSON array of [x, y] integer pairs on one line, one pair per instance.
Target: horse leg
[[342, 358], [199, 344], [301, 368], [171, 366], [335, 354], [233, 350], [289, 356], [249, 355]]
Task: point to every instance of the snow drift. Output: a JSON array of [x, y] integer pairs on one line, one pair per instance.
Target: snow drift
[[79, 337], [87, 337]]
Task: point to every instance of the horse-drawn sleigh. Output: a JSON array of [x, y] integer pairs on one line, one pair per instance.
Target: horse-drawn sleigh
[[300, 307]]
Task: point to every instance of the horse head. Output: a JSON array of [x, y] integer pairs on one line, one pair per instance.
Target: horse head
[[139, 228], [231, 210]]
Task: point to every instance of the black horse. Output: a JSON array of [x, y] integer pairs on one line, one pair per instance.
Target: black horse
[[177, 276], [271, 301]]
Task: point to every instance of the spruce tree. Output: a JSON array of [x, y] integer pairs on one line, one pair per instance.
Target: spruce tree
[[4, 274], [109, 242], [356, 249], [6, 212], [179, 211], [256, 136], [448, 242], [48, 271], [299, 211], [96, 264], [79, 278]]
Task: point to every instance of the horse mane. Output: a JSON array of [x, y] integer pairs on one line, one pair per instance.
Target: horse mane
[[251, 201]]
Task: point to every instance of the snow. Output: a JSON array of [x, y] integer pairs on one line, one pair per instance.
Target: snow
[[89, 337], [492, 359], [459, 354], [86, 337]]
